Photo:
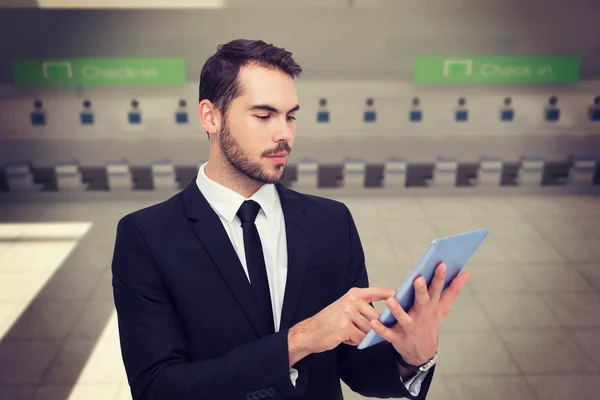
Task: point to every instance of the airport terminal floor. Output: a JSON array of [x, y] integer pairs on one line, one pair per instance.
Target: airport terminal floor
[[525, 327]]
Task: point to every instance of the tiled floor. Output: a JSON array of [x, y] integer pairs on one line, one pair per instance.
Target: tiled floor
[[526, 326]]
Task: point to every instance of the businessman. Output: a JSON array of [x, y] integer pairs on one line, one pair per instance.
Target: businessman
[[240, 288]]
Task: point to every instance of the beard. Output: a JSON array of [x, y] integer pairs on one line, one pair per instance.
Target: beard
[[241, 161]]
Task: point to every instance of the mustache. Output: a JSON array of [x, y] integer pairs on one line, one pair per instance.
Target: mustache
[[281, 147]]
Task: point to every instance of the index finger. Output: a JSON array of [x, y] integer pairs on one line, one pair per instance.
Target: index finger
[[376, 293]]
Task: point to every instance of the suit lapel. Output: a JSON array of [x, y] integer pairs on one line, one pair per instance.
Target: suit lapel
[[216, 242], [297, 226]]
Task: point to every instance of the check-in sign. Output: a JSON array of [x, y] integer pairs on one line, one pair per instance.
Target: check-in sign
[[99, 72], [519, 69]]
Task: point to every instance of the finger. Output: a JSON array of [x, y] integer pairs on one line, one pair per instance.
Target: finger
[[404, 320], [452, 292], [367, 311], [437, 284], [375, 293], [361, 322], [421, 294], [355, 336], [383, 331]]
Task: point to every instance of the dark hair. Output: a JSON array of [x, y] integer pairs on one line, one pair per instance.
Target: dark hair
[[219, 79]]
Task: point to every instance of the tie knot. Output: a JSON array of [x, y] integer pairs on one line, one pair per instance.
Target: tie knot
[[248, 211]]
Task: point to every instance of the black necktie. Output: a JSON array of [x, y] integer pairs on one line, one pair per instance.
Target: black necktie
[[255, 259]]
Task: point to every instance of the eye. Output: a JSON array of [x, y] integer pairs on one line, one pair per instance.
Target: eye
[[263, 117], [290, 118]]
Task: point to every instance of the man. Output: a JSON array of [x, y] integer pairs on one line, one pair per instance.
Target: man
[[239, 288]]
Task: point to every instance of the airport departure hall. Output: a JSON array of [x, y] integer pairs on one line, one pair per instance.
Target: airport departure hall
[[426, 119]]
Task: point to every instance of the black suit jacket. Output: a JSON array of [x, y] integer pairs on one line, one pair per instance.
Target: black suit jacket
[[191, 329]]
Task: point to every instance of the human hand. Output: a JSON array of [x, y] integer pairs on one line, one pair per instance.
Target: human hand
[[416, 335], [346, 320]]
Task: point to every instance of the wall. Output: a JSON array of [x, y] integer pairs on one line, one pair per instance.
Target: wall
[[348, 55], [345, 136], [332, 44]]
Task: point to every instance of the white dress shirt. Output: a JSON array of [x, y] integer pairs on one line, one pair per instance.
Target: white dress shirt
[[271, 229]]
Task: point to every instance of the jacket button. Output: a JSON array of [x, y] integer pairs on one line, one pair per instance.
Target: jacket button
[[256, 395], [271, 392]]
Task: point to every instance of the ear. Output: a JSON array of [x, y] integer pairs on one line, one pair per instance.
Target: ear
[[210, 117]]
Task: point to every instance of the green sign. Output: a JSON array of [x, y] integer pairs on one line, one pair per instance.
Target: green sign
[[99, 71], [527, 69]]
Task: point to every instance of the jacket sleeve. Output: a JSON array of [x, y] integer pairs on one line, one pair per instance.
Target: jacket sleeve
[[372, 372], [153, 344]]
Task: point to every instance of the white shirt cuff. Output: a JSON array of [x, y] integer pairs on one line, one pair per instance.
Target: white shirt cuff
[[413, 385], [293, 375]]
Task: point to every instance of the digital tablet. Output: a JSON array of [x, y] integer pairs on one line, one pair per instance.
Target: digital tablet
[[454, 251]]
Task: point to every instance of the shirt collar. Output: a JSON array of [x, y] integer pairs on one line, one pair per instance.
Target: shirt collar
[[227, 202]]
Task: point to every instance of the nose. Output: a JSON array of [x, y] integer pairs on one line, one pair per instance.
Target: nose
[[284, 131]]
